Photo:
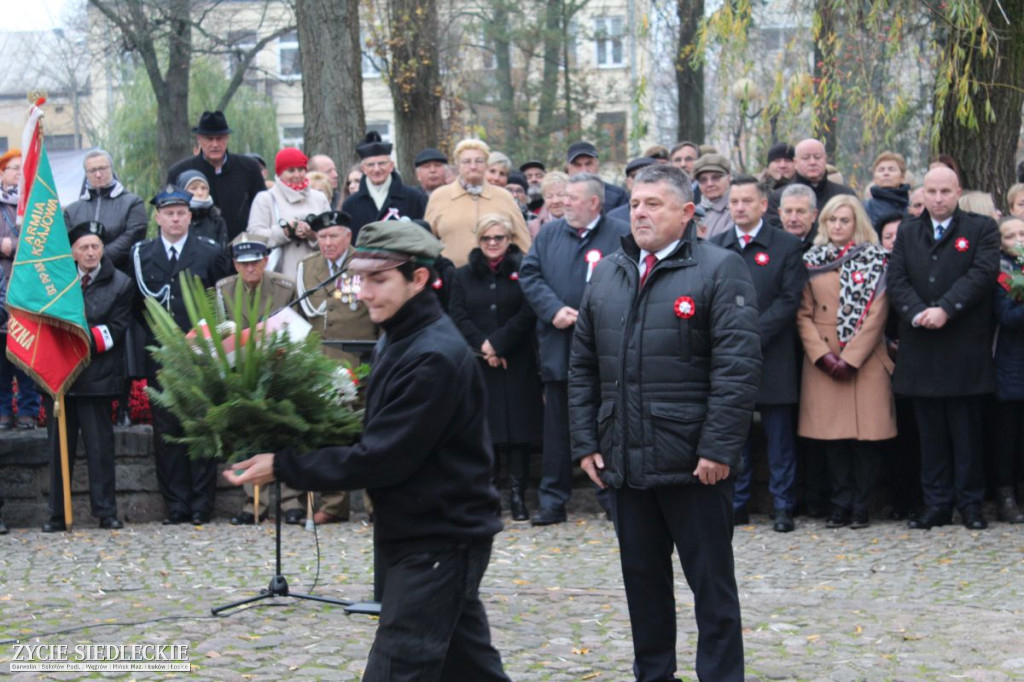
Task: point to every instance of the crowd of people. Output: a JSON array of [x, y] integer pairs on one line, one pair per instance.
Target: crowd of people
[[888, 348]]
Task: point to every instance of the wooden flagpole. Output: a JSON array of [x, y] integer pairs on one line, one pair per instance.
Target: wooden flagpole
[[256, 503], [65, 469]]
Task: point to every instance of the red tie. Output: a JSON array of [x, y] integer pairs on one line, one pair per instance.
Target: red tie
[[85, 280], [746, 240], [650, 260]]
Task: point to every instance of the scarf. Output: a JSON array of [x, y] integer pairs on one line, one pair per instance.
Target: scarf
[[379, 193], [298, 186], [475, 190], [199, 204], [861, 270]]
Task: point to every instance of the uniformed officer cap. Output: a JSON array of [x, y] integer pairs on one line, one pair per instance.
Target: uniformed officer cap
[[171, 196], [248, 248], [386, 244], [328, 219], [80, 230]]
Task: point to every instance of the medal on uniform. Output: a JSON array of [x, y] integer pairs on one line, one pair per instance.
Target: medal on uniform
[[592, 257], [347, 290]]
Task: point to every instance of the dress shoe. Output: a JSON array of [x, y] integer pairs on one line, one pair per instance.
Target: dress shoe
[[899, 514], [740, 516], [246, 519], [548, 516], [174, 518], [320, 518], [26, 423], [859, 519], [517, 505], [199, 518], [55, 525], [295, 517], [973, 519], [4, 530], [111, 523], [929, 517], [838, 519], [783, 522], [6, 422], [1006, 506]]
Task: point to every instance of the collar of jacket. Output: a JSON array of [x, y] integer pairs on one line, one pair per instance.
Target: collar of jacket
[[113, 191], [816, 186], [513, 258], [486, 191], [682, 256], [419, 311], [290, 195], [395, 189]]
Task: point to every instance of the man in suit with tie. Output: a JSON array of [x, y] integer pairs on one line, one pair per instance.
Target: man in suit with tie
[[775, 261], [941, 275], [187, 485]]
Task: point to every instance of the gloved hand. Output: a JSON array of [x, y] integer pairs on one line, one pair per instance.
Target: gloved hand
[[827, 363], [842, 371]]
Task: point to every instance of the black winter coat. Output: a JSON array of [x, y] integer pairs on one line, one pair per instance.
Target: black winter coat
[[957, 273], [233, 189], [823, 191], [488, 305], [109, 301], [775, 261], [887, 200], [209, 224], [663, 376], [123, 216], [1009, 351], [425, 454], [554, 274], [402, 202]]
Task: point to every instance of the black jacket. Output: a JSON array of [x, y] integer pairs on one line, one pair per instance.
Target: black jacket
[[123, 216], [614, 196], [425, 454], [209, 223], [402, 202], [488, 305], [109, 301], [233, 189], [957, 273], [886, 200], [151, 272], [554, 274], [1009, 351], [823, 191], [775, 261], [665, 375]]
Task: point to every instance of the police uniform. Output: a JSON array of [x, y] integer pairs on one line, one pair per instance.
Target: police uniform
[[276, 291], [187, 485]]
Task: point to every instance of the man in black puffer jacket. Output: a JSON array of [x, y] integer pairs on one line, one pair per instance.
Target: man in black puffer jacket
[[425, 458], [663, 376], [109, 297]]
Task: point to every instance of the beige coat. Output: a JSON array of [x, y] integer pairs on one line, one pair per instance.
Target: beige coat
[[281, 202], [860, 408], [453, 214]]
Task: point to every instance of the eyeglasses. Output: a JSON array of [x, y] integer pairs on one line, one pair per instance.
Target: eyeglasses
[[97, 169], [496, 239], [376, 164], [705, 178]]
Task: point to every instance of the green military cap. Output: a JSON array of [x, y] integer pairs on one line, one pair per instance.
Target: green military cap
[[386, 244]]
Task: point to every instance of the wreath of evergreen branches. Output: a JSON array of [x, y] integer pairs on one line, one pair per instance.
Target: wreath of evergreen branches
[[278, 393]]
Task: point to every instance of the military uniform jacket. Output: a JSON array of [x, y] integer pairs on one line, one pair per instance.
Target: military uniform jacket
[[276, 289], [334, 314], [155, 278], [957, 274], [775, 260]]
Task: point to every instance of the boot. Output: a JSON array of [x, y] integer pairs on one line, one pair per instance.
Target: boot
[[1006, 506], [517, 498]]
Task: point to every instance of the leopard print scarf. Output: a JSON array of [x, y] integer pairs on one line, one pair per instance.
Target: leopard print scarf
[[861, 279]]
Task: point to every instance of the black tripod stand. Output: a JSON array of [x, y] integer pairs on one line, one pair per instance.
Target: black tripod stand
[[278, 584]]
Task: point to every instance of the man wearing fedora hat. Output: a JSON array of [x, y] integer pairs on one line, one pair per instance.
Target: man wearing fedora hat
[[109, 296], [235, 179], [425, 458]]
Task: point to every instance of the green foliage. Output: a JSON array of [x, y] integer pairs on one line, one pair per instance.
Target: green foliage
[[276, 394], [131, 137]]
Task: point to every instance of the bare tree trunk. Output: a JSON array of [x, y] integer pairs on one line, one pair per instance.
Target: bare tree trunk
[[503, 73], [986, 155], [689, 78], [826, 103], [332, 78], [414, 78], [549, 74]]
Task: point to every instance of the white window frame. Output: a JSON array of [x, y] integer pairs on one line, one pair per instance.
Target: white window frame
[[607, 39], [288, 138], [288, 42]]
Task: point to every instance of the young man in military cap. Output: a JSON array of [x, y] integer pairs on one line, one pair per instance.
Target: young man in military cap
[[249, 255], [425, 457], [187, 485], [109, 295]]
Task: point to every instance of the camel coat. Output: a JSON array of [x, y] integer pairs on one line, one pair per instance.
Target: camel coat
[[453, 214], [860, 408]]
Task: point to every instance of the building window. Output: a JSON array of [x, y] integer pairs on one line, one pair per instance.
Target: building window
[[61, 143], [371, 62], [288, 55], [382, 127], [613, 132], [292, 136], [4, 145], [608, 41], [241, 43]]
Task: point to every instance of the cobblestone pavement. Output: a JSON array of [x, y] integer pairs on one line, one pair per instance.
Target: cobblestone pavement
[[883, 603]]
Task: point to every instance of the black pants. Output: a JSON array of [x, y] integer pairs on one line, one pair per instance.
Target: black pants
[[1008, 448], [432, 624], [556, 477], [903, 459], [697, 520], [812, 472], [952, 464], [91, 417], [853, 468], [188, 485]]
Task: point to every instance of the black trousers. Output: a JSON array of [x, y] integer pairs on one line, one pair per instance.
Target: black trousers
[[697, 520], [1008, 467], [188, 485], [91, 417], [432, 624], [952, 463], [556, 476], [903, 459], [853, 467]]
